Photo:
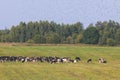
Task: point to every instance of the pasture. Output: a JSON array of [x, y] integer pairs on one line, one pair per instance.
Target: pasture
[[61, 71]]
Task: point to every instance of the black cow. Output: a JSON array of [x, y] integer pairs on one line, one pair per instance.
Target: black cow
[[89, 60], [77, 59]]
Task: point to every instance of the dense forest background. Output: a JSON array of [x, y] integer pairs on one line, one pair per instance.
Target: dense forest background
[[44, 32]]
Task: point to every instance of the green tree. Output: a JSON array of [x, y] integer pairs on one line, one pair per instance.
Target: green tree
[[22, 27], [79, 38], [52, 38], [91, 35], [39, 39], [117, 37], [69, 40], [110, 42]]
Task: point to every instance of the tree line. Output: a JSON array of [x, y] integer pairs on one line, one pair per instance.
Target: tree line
[[45, 32]]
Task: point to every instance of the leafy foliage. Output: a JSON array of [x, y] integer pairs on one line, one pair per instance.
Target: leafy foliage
[[91, 35], [50, 32]]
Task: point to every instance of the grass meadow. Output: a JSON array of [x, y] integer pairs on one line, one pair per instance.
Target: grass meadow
[[66, 71]]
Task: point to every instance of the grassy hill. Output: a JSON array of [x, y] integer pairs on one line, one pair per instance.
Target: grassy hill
[[65, 71]]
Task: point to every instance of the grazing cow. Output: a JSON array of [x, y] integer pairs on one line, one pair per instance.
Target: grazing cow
[[65, 59], [89, 60], [58, 60], [73, 61], [41, 59], [1, 59], [77, 59], [101, 60]]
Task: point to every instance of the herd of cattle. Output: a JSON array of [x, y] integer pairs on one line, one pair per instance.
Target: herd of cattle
[[49, 59]]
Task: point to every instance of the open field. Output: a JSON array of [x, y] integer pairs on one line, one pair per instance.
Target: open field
[[65, 71]]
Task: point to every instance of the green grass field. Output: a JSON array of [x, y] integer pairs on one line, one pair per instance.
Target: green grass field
[[65, 71]]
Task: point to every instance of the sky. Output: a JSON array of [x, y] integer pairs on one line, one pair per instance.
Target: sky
[[12, 12]]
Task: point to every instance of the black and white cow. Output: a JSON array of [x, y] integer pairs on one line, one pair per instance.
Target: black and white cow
[[101, 60]]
